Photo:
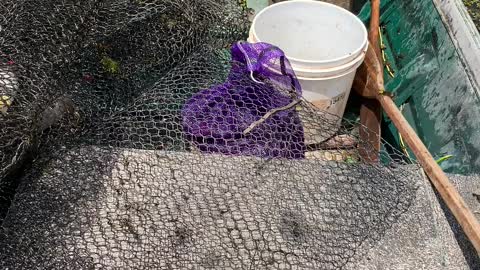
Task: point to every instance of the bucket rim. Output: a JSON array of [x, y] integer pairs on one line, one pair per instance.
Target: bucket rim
[[341, 69], [351, 69], [320, 3]]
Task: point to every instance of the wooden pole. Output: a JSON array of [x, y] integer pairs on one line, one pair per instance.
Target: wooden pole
[[369, 83], [447, 190], [374, 35], [370, 109]]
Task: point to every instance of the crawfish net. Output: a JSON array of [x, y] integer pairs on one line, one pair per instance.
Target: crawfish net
[[144, 134]]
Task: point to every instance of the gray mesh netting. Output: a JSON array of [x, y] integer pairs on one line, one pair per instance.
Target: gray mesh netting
[[143, 134]]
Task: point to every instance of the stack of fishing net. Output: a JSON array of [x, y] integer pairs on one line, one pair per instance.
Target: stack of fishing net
[[144, 134]]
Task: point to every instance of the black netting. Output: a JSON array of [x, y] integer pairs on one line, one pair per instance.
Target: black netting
[[143, 134]]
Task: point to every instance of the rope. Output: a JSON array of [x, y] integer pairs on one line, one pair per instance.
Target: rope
[[384, 55], [403, 146]]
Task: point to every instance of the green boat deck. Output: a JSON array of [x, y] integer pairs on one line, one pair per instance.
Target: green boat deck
[[432, 83]]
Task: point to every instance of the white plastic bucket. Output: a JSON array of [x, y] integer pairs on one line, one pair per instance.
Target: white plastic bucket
[[324, 43]]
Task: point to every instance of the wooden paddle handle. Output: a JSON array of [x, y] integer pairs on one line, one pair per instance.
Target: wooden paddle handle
[[374, 34], [368, 75], [447, 191]]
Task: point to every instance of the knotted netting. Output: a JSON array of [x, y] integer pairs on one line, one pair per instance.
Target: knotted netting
[[145, 134]]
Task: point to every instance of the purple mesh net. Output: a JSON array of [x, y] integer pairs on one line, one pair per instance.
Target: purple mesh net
[[259, 89]]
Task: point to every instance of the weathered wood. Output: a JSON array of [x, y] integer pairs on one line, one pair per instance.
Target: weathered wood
[[374, 34], [370, 130], [336, 143], [369, 76], [370, 110]]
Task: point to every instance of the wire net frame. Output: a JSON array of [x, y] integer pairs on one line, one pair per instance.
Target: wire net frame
[[142, 134]]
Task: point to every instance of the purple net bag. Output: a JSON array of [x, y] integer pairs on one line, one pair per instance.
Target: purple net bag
[[253, 112]]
